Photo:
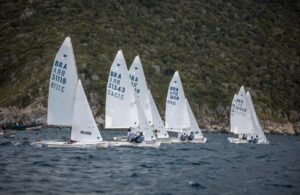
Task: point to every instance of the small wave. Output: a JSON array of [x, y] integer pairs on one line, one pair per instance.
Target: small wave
[[134, 175], [5, 143], [146, 166], [208, 149], [42, 164], [283, 185], [200, 163], [262, 156], [196, 185]]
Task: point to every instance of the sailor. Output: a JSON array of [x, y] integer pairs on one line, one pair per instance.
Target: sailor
[[156, 132], [251, 140], [183, 137], [191, 136], [131, 135], [244, 136], [255, 140], [139, 138]]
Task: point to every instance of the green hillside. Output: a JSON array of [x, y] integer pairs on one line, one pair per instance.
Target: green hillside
[[216, 45]]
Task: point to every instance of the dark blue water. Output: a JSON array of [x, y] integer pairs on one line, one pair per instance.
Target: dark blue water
[[217, 167]]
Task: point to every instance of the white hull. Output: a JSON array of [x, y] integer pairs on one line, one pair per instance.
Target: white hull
[[243, 141], [34, 128], [263, 142], [194, 141], [133, 144], [234, 140], [55, 144]]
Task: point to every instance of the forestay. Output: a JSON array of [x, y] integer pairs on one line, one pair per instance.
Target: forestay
[[84, 127], [176, 109], [62, 86], [157, 121], [120, 108], [138, 81]]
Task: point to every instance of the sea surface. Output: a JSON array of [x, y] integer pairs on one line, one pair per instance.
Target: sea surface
[[217, 167]]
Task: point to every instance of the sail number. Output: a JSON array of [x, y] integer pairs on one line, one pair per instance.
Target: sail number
[[134, 81], [114, 87], [173, 96], [85, 132], [58, 77]]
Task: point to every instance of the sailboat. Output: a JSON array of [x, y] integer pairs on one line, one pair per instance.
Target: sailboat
[[258, 132], [143, 94], [244, 121], [122, 109], [84, 132], [179, 115], [62, 86]]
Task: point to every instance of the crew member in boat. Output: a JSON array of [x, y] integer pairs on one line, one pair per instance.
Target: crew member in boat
[[244, 136], [139, 138], [156, 132], [183, 137], [3, 130], [131, 135], [191, 136]]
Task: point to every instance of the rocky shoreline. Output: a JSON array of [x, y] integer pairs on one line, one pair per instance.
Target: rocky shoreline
[[36, 113]]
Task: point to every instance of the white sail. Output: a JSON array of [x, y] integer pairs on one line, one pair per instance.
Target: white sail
[[62, 87], [176, 109], [193, 122], [138, 81], [233, 116], [84, 127], [157, 121], [241, 114], [120, 108], [143, 124], [257, 127]]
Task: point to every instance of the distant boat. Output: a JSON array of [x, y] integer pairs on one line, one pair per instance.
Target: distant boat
[[7, 134], [244, 121], [84, 133], [122, 108], [179, 115], [21, 126], [62, 86], [143, 94]]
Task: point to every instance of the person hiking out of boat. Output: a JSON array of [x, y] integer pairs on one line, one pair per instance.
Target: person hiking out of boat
[[183, 137], [255, 140], [251, 140], [156, 132], [244, 136], [139, 138], [191, 136], [131, 135]]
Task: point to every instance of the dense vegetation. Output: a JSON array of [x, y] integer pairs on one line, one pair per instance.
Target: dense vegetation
[[216, 45]]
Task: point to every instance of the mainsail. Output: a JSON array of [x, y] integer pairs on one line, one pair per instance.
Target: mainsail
[[176, 109], [120, 108], [62, 86], [84, 127], [138, 81], [241, 114]]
